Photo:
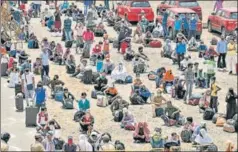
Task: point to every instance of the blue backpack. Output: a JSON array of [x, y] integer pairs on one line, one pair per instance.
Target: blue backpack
[[129, 79], [30, 44], [59, 96]]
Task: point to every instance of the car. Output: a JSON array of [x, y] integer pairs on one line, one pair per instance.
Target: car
[[131, 10], [192, 4], [223, 21], [181, 12]]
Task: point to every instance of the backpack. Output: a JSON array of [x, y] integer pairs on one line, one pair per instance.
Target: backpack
[[119, 145], [87, 76], [68, 44], [155, 44], [68, 104], [208, 114], [59, 143], [220, 121], [128, 79], [186, 136], [118, 116], [152, 75], [78, 115], [214, 41], [101, 101]]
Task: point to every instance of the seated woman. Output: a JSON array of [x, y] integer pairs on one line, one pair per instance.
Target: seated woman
[[174, 140], [127, 121], [167, 49], [119, 74], [14, 78], [168, 79], [55, 82], [189, 125], [50, 24], [204, 102], [147, 39], [138, 33], [58, 53], [157, 102], [80, 69], [101, 82], [97, 50], [45, 43], [86, 121], [37, 66], [158, 31], [142, 133], [157, 140], [111, 91], [70, 64], [144, 93], [108, 66], [203, 138]]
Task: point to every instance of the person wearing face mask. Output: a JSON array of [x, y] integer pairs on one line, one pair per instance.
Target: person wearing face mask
[[70, 146], [192, 27], [42, 117], [48, 142], [101, 82], [189, 80], [28, 84], [231, 105], [83, 103], [40, 95], [157, 102]]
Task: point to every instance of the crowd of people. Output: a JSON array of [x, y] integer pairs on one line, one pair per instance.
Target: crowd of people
[[96, 68]]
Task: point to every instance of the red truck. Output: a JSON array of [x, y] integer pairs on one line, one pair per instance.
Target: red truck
[[181, 12], [223, 21], [131, 10], [192, 4]]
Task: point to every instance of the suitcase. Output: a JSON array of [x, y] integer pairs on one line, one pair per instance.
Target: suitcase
[[31, 114], [214, 118], [19, 102], [155, 44], [18, 89], [87, 76], [4, 69], [101, 102], [94, 94], [68, 104], [59, 96], [228, 128], [115, 44], [68, 44]]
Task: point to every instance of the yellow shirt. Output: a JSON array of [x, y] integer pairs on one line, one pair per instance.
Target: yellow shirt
[[231, 49], [214, 90]]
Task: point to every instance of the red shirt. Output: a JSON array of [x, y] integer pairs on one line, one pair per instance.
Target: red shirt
[[88, 36]]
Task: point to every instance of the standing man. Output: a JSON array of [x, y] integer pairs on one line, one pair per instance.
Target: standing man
[[88, 37], [87, 4], [164, 23], [189, 79], [45, 63], [192, 27], [177, 26], [67, 28], [180, 50], [222, 50], [106, 3], [40, 95]]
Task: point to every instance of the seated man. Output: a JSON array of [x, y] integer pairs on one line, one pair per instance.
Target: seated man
[[157, 140], [142, 133], [118, 104], [42, 117], [83, 103], [200, 81], [67, 96], [171, 112], [101, 82], [70, 64], [167, 49], [136, 99], [86, 121], [202, 48], [210, 52], [144, 93], [147, 39], [184, 63], [54, 83], [108, 66], [143, 24], [157, 102], [129, 55], [80, 69], [168, 79], [141, 54], [111, 91], [160, 74], [172, 141]]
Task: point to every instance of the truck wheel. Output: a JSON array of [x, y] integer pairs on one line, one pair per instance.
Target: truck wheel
[[209, 26]]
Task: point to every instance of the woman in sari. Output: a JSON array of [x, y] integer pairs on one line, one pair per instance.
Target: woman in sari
[[119, 73], [231, 106], [84, 145], [141, 134], [203, 138], [128, 121]]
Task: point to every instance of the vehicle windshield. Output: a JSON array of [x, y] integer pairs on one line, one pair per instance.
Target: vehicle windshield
[[140, 4], [188, 4], [182, 15], [234, 15]]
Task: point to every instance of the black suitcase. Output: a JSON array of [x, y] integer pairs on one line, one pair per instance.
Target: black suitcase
[[87, 76], [86, 53], [19, 102], [17, 89], [31, 114], [4, 69]]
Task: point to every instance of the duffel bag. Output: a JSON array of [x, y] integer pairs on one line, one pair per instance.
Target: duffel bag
[[231, 122], [228, 128], [208, 114], [186, 136], [68, 44], [155, 44], [220, 121]]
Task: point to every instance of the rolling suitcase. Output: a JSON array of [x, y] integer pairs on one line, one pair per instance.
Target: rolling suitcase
[[31, 113], [19, 102], [4, 69], [17, 89]]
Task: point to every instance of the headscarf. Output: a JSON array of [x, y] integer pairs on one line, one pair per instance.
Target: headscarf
[[168, 76], [84, 145], [203, 137], [230, 146], [146, 131], [10, 62]]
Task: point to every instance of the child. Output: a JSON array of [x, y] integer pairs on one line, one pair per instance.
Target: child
[[97, 50], [214, 97], [202, 48]]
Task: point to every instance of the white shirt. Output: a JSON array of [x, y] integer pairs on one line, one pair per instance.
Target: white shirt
[[28, 78], [45, 58]]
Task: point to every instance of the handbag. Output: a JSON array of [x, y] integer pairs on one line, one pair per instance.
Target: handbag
[[28, 86]]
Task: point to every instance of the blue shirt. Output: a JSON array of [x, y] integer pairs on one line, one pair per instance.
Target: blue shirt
[[45, 58], [165, 18], [222, 46], [193, 24], [180, 48], [177, 25], [67, 24], [185, 23], [202, 48], [83, 106]]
